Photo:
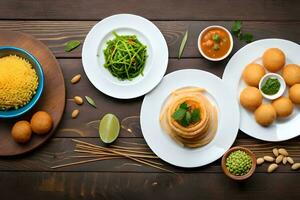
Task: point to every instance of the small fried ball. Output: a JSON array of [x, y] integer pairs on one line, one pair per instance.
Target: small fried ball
[[273, 59], [251, 98], [41, 122], [21, 131], [265, 114], [253, 73], [291, 74], [294, 94], [283, 106]]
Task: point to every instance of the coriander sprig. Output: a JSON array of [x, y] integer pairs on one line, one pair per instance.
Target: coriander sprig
[[236, 30], [184, 115]]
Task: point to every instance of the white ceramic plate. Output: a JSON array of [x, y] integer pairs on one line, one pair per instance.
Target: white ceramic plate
[[124, 24], [282, 129], [163, 145]]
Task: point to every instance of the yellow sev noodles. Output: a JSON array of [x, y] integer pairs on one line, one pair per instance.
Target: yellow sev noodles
[[18, 82]]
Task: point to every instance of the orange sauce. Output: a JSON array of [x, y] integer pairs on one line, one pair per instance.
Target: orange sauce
[[215, 43]]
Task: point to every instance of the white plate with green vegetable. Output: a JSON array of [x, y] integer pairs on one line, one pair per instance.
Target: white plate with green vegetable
[[281, 129], [125, 56], [166, 147]]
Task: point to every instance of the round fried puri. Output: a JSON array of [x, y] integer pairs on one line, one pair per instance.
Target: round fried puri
[[283, 106], [291, 74], [253, 73], [251, 98], [265, 114], [273, 59]]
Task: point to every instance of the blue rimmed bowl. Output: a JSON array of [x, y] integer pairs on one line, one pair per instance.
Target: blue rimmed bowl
[[10, 50]]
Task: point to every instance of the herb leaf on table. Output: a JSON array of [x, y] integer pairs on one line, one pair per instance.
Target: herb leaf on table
[[71, 45], [182, 44], [236, 30]]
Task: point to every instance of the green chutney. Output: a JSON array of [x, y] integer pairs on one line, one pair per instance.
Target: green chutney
[[271, 86]]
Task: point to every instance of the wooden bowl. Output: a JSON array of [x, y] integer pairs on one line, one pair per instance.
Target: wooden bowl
[[234, 177]]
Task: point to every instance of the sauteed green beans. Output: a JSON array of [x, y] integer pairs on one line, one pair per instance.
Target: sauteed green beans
[[125, 56]]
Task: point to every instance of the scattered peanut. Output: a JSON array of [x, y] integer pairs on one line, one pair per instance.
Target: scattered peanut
[[76, 79], [296, 166], [78, 100], [260, 161], [281, 155], [272, 167], [75, 113], [268, 158], [279, 159], [290, 160], [283, 151], [275, 152], [284, 161]]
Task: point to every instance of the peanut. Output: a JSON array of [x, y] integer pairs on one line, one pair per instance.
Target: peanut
[[272, 167], [296, 166], [279, 159], [268, 158], [275, 152], [290, 160], [75, 113], [283, 151], [78, 100], [284, 161], [260, 161], [76, 79]]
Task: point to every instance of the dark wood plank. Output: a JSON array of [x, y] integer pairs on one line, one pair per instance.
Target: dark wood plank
[[120, 186], [56, 33], [59, 150], [152, 9]]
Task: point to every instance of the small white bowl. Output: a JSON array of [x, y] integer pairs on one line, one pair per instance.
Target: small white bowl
[[281, 89], [201, 35]]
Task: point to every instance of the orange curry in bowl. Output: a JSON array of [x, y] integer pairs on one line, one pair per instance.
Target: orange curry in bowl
[[215, 43]]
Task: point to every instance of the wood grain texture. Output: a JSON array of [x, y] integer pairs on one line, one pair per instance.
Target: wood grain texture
[[152, 9], [120, 186], [59, 150], [29, 176], [56, 33], [52, 100]]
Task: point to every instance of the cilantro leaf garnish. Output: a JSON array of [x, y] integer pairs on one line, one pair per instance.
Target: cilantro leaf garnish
[[184, 116], [184, 106], [179, 114], [195, 117]]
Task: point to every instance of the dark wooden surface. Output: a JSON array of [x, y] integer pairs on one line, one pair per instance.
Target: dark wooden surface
[[55, 22], [51, 101]]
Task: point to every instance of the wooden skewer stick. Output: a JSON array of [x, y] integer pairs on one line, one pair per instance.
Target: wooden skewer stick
[[122, 154], [82, 162], [97, 156], [105, 153], [116, 149]]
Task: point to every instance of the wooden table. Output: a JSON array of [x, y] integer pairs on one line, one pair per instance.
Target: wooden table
[[57, 21]]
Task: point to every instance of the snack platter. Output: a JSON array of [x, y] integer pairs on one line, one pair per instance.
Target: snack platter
[[188, 118]]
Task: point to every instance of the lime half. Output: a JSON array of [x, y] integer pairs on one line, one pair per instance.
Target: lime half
[[109, 128]]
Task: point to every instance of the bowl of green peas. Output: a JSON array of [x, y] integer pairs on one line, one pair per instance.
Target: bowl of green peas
[[239, 163]]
